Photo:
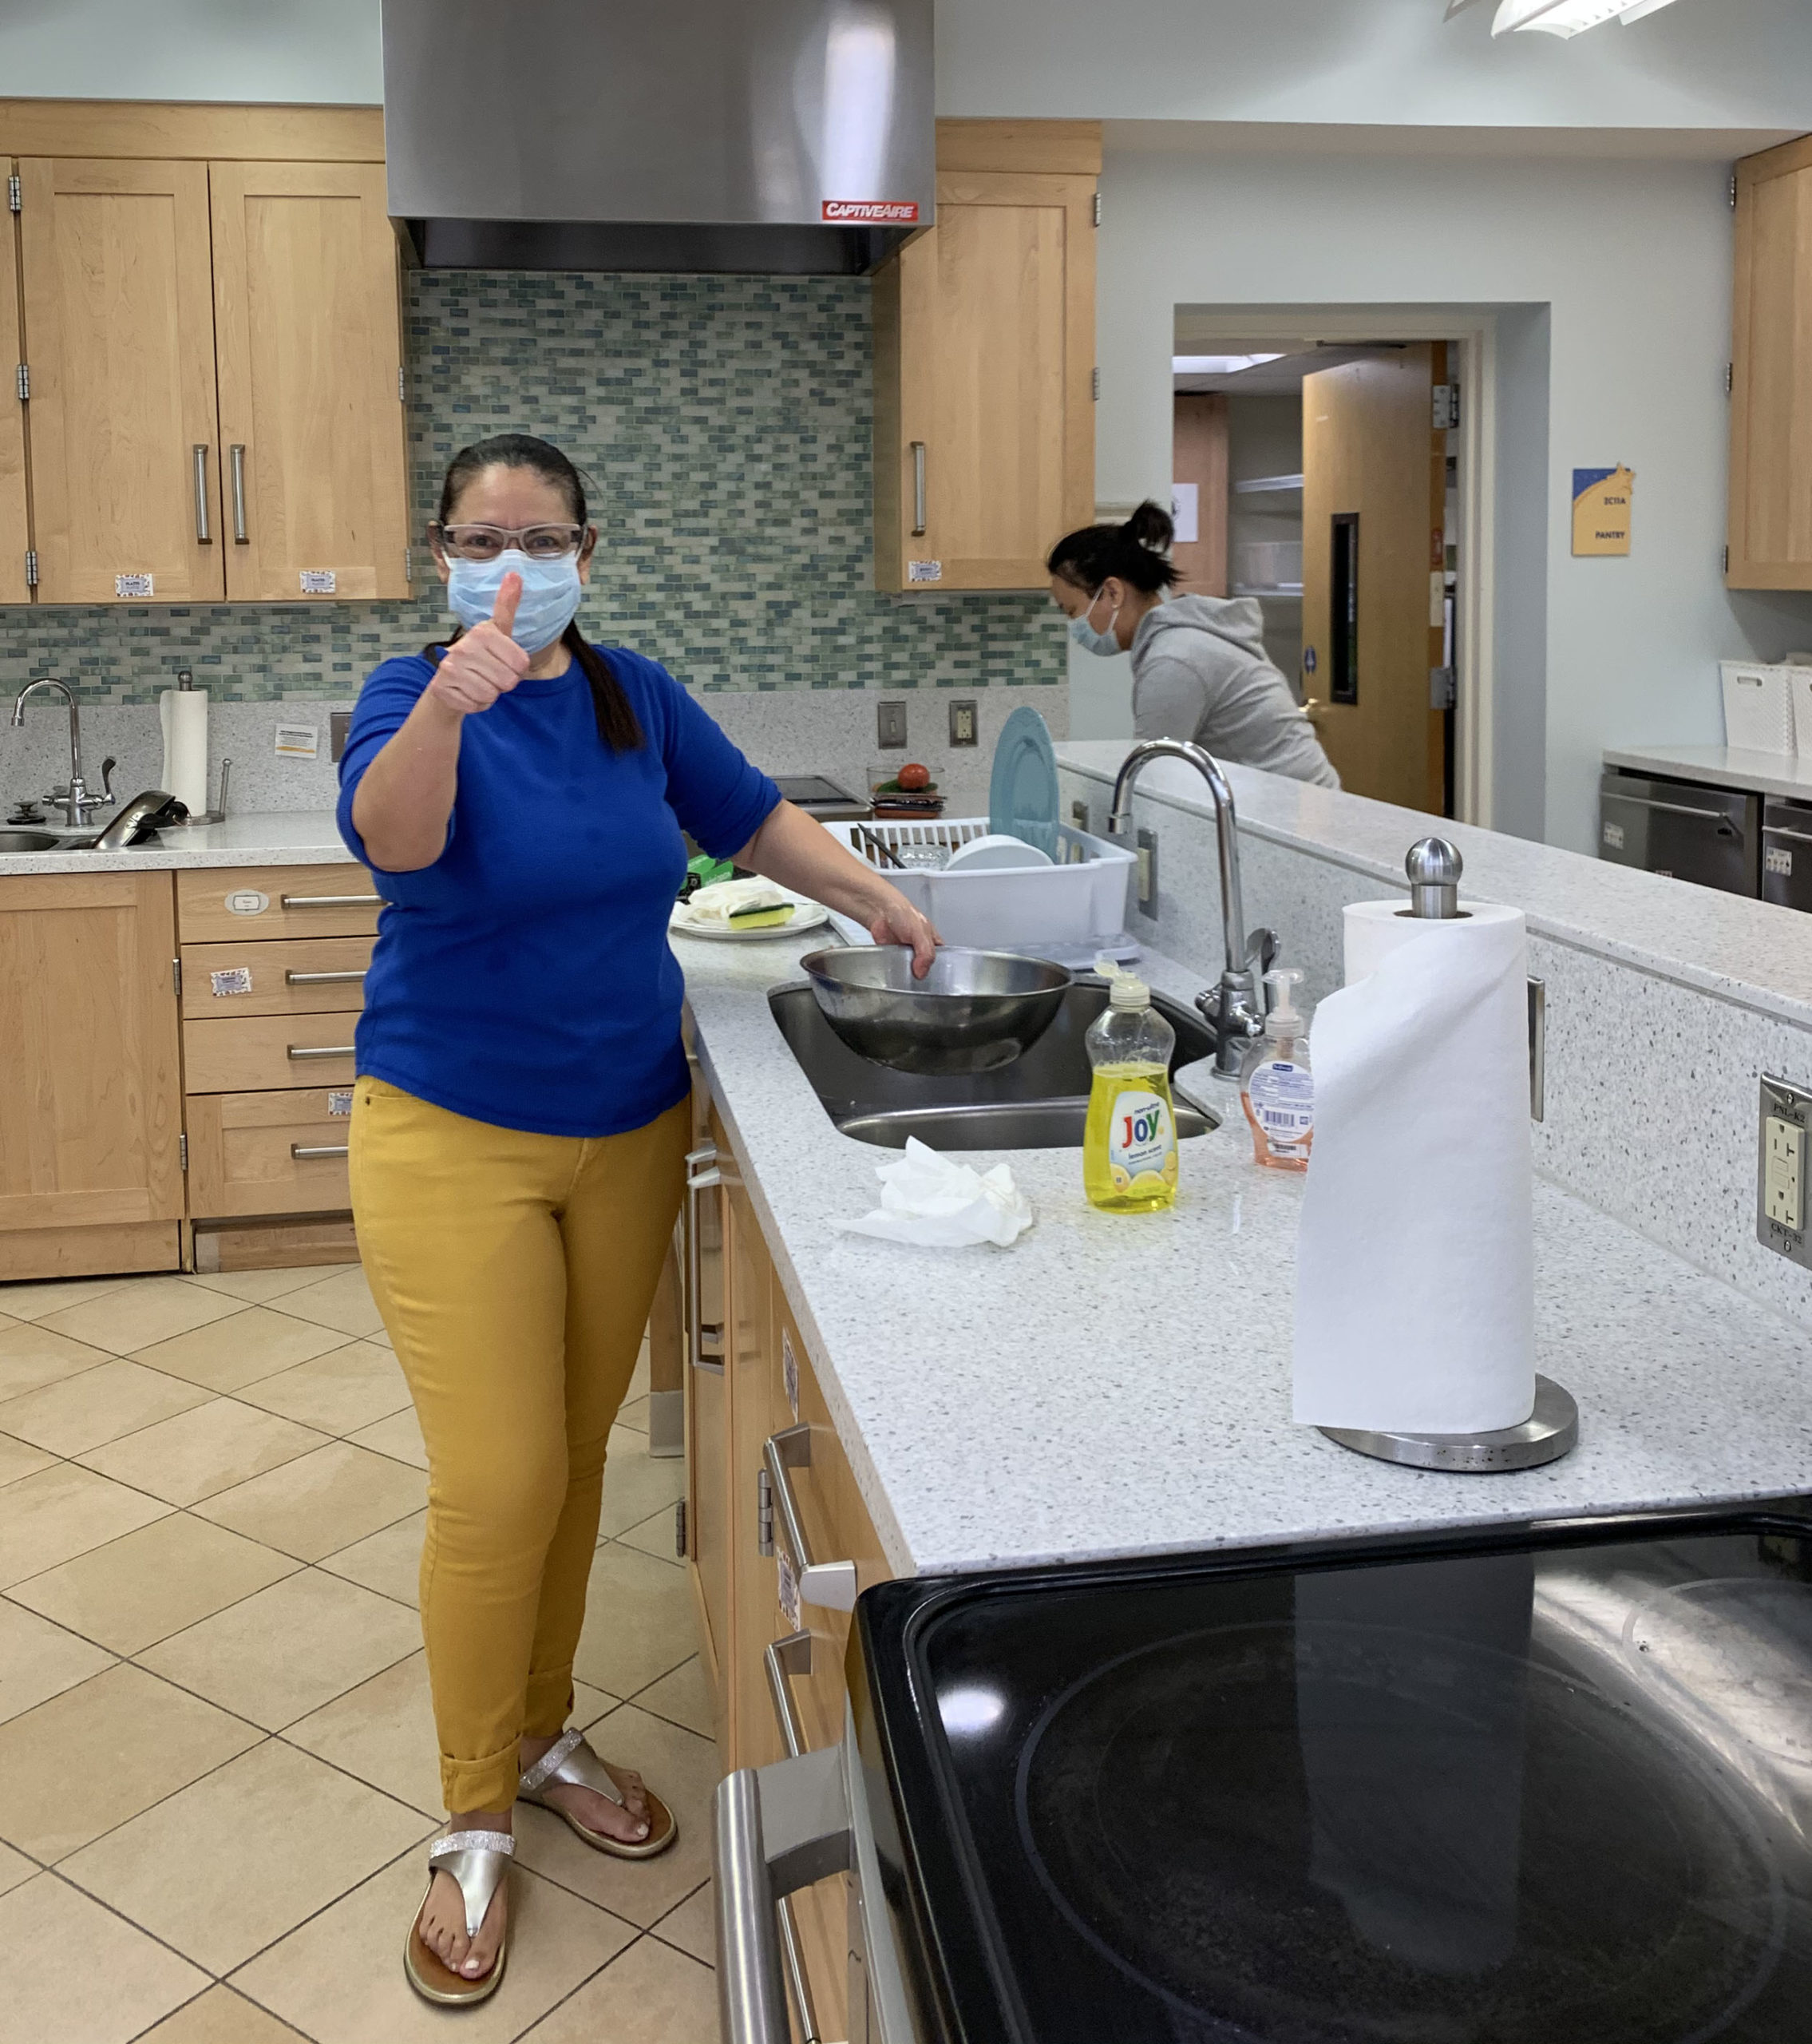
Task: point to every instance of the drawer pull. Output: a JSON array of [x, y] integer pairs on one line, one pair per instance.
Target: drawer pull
[[829, 1585], [296, 1052], [323, 979], [302, 1152], [331, 900], [784, 1658], [705, 1340]]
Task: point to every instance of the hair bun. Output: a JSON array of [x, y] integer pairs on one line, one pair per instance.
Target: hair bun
[[1150, 527]]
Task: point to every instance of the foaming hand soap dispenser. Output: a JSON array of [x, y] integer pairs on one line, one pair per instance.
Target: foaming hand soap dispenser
[[1277, 1090]]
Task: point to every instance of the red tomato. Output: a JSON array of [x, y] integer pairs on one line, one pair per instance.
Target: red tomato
[[914, 778]]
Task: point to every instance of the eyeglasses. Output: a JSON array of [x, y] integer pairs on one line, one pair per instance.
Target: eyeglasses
[[487, 542]]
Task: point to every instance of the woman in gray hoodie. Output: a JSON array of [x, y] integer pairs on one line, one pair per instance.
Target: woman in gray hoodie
[[1199, 669]]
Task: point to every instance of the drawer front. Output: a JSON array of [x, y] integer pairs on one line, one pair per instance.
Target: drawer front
[[290, 975], [260, 1053], [237, 905], [268, 1153]]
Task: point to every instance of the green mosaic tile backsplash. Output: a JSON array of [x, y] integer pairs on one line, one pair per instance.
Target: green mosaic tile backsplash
[[726, 424]]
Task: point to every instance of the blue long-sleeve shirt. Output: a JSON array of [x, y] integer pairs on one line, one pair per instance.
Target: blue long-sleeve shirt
[[524, 978]]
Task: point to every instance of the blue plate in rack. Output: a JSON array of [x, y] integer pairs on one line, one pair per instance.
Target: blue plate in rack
[[1022, 796]]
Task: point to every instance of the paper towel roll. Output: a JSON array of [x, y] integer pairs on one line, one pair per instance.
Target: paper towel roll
[[182, 713], [1415, 1285]]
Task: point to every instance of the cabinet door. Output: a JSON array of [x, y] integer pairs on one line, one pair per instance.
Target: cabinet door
[[119, 329], [91, 1110], [707, 1426], [986, 384], [1771, 490], [755, 1738], [15, 530], [305, 302]]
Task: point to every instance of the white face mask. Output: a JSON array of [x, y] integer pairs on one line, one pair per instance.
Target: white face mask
[[1085, 634], [548, 603]]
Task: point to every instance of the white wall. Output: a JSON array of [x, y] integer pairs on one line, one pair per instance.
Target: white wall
[[1631, 261]]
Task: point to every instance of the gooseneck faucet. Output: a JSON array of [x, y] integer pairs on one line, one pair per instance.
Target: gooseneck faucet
[[77, 800], [1236, 1008]]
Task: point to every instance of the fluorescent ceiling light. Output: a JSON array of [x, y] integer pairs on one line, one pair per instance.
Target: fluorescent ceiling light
[[1218, 364], [1566, 17]]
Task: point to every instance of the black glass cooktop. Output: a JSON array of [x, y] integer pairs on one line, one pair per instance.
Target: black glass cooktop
[[1557, 1792]]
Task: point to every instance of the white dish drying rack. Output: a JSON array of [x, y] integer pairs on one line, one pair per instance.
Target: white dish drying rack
[[1069, 912]]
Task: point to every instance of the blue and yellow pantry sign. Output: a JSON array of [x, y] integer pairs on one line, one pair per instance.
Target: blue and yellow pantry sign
[[1600, 509]]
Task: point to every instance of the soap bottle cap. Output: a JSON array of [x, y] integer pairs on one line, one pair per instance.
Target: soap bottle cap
[[1108, 966], [1129, 993], [1284, 1018]]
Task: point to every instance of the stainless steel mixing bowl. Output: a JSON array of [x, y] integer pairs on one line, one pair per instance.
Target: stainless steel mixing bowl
[[974, 1010]]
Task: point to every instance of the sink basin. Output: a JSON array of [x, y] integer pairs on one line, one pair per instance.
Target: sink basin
[[1039, 1102], [28, 841]]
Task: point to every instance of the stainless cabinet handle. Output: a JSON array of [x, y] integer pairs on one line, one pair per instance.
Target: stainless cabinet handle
[[784, 1657], [203, 536], [322, 979], [918, 488], [829, 1585], [1672, 808], [704, 1342], [1537, 1049], [235, 458], [1780, 830], [330, 900], [296, 1052], [301, 1151]]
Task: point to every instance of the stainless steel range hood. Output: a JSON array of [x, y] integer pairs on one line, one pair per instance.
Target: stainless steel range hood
[[794, 137]]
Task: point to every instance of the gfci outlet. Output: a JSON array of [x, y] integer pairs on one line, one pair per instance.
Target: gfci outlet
[[1781, 1190], [963, 724]]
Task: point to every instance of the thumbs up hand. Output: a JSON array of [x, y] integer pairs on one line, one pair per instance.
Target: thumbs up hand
[[485, 663]]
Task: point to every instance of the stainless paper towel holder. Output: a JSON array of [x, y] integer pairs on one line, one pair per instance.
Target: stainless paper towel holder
[[1433, 867]]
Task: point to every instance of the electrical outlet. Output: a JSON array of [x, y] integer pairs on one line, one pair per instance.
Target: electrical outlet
[[1080, 817], [890, 726], [963, 729], [1785, 1146], [1147, 844]]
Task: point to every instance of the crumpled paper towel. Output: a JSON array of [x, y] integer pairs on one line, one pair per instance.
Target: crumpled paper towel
[[937, 1203]]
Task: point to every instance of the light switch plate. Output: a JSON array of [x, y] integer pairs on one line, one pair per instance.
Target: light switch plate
[[890, 726], [1147, 844], [963, 724], [1785, 1148]]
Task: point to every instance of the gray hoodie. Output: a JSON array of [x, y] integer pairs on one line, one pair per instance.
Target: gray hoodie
[[1200, 671]]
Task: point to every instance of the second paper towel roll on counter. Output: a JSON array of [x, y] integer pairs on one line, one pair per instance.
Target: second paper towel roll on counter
[[1415, 1261], [182, 713]]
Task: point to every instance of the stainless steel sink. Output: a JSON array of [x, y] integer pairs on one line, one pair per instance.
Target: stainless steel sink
[[29, 841], [1040, 1101]]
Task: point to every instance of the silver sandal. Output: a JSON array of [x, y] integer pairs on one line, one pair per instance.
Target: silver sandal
[[478, 1860], [571, 1760]]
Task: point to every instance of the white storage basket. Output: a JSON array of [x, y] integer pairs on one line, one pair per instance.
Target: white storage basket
[[1758, 706], [1081, 900]]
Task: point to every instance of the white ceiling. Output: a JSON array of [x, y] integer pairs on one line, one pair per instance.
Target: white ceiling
[[1297, 357]]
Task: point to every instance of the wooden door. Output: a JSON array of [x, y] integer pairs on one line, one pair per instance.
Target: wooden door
[[984, 351], [15, 525], [1771, 482], [90, 1111], [119, 332], [305, 298], [1198, 458], [1374, 508]]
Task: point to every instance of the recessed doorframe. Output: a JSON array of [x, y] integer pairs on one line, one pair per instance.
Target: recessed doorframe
[[1472, 333]]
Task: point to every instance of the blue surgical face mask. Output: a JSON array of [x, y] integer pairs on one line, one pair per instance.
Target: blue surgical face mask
[[1085, 634], [550, 595]]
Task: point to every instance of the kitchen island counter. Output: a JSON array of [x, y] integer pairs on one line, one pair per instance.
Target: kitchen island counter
[[268, 837], [1119, 1385]]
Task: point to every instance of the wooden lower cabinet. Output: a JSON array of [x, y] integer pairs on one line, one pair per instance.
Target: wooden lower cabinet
[[766, 1385]]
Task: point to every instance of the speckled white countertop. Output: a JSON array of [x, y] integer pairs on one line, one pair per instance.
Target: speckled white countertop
[[1722, 767], [276, 837], [1119, 1385]]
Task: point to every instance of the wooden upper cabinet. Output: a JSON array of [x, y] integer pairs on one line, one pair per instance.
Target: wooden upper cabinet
[[984, 362], [306, 322], [15, 525], [119, 334], [1770, 488]]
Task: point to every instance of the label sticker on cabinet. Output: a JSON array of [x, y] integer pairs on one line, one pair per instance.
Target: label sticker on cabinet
[[297, 742], [924, 571], [1775, 858], [788, 1592], [247, 902], [317, 581], [790, 1371], [1614, 836], [234, 979], [132, 585], [339, 1101]]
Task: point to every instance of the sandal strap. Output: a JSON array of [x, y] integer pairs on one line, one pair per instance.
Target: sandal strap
[[477, 1861], [571, 1760]]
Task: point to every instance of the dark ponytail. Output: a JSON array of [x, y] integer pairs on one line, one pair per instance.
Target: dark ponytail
[[1138, 552], [617, 723]]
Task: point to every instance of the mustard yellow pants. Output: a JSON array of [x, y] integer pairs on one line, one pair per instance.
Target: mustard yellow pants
[[515, 1273]]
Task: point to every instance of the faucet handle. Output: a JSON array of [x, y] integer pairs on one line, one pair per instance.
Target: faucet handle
[[1262, 955], [107, 766]]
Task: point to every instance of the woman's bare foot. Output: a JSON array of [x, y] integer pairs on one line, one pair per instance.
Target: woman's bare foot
[[442, 1921], [627, 1821]]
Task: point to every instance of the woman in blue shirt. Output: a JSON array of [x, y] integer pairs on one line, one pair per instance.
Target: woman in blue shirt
[[520, 1124]]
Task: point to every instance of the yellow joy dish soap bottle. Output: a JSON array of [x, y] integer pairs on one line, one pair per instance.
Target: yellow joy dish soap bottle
[[1277, 1090], [1129, 1146]]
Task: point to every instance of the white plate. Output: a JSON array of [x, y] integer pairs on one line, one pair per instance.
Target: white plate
[[810, 915], [995, 851]]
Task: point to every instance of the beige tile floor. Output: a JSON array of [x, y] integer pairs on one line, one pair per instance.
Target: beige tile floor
[[217, 1771]]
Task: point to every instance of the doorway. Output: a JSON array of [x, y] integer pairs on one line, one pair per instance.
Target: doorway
[[1323, 481]]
